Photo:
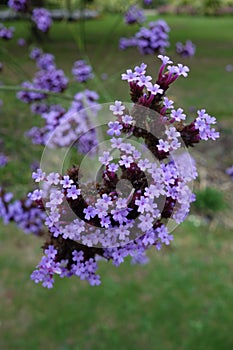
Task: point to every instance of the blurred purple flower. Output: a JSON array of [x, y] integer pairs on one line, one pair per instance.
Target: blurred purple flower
[[35, 53], [6, 33], [229, 171], [42, 18], [149, 40], [186, 50], [82, 71], [18, 5], [21, 42], [229, 68], [3, 160], [134, 15]]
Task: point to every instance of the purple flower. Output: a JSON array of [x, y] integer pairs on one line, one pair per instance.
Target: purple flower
[[6, 33], [229, 67], [47, 268], [126, 161], [82, 71], [182, 70], [165, 59], [163, 146], [66, 182], [21, 42], [113, 167], [167, 103], [89, 212], [42, 18], [78, 256], [144, 80], [143, 204], [122, 213], [106, 158], [3, 160], [140, 70], [116, 142], [35, 53], [18, 5], [146, 222], [73, 192], [154, 89], [45, 61], [172, 133], [203, 125], [129, 76], [114, 128], [24, 213], [134, 15], [125, 43], [164, 235], [52, 80], [105, 221], [36, 195], [149, 40], [29, 96], [178, 114], [229, 171], [53, 179], [186, 50], [144, 164], [118, 108], [39, 175]]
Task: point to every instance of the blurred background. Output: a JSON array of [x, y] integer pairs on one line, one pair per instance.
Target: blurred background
[[182, 299]]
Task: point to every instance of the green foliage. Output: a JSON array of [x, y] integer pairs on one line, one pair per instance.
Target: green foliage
[[113, 5], [181, 300], [202, 6], [210, 200]]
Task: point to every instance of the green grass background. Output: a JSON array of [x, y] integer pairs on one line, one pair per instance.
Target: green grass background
[[181, 300]]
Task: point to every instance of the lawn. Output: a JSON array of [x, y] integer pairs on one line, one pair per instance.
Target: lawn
[[182, 299]]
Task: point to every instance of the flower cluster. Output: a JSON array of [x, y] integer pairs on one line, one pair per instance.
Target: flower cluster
[[82, 71], [67, 126], [42, 18], [134, 15], [18, 5], [141, 185], [80, 267], [186, 50], [24, 213], [6, 33], [149, 40], [35, 53], [203, 124], [47, 78]]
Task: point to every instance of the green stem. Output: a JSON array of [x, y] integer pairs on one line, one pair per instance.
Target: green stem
[[13, 62], [46, 92]]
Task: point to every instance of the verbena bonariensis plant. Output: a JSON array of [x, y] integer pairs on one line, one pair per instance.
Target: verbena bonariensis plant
[[41, 17], [149, 40], [49, 79], [6, 33], [134, 14], [141, 189]]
